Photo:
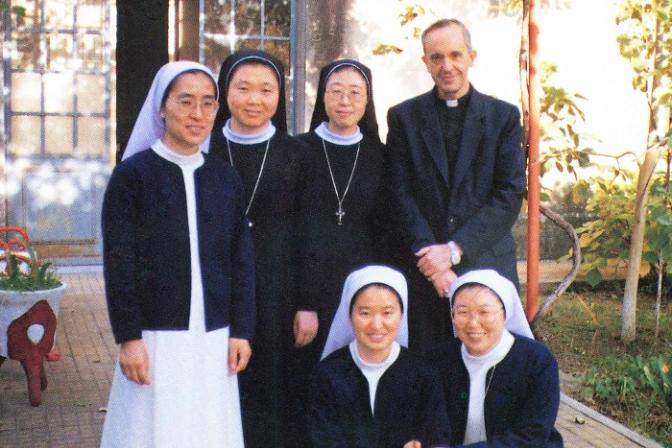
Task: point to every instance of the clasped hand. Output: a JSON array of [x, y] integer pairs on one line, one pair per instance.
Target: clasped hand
[[434, 263]]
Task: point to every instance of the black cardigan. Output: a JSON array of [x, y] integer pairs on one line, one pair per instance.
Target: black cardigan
[[409, 404], [146, 248], [521, 404]]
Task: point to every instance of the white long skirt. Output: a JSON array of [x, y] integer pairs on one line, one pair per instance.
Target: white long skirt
[[192, 400]]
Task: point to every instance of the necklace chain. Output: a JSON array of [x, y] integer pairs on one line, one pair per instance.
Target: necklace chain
[[261, 170], [340, 213], [487, 387]]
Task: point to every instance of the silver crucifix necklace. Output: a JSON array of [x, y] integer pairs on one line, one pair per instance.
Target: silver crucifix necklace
[[340, 213], [256, 184]]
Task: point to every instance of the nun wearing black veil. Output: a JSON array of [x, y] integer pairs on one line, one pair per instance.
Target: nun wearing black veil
[[250, 133], [341, 204]]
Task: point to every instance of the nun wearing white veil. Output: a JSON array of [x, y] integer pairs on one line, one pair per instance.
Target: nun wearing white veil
[[369, 390], [179, 275], [501, 384]]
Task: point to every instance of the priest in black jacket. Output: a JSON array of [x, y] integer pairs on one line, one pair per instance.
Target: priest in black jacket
[[458, 179]]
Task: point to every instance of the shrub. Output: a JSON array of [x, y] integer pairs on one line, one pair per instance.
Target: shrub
[[605, 241]]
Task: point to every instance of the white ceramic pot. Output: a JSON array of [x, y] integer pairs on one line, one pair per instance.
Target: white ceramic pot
[[14, 304]]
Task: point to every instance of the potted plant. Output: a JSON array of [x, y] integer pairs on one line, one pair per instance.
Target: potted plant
[[30, 298]]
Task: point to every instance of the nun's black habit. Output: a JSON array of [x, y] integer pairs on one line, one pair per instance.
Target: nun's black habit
[[332, 250], [272, 210]]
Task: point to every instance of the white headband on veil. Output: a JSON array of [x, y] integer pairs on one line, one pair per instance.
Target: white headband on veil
[[515, 322], [149, 126], [340, 333]]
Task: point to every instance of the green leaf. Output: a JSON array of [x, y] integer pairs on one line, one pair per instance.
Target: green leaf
[[19, 10], [593, 277], [382, 49], [638, 65], [653, 383], [14, 270], [665, 372], [622, 15], [586, 239], [650, 257], [665, 220]]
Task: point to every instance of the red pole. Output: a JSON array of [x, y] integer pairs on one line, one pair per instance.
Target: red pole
[[533, 172]]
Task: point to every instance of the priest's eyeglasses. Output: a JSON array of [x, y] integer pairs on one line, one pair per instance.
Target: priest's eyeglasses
[[462, 316], [187, 105], [353, 95]]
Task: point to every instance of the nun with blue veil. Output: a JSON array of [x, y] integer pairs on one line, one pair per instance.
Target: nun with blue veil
[[369, 390], [179, 275]]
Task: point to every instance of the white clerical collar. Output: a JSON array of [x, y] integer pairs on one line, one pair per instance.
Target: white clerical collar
[[451, 103], [196, 159], [323, 131], [248, 139]]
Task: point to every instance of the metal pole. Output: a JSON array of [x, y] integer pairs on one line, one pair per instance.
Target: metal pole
[[533, 168]]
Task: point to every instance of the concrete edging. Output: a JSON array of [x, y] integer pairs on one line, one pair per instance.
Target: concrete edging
[[623, 430]]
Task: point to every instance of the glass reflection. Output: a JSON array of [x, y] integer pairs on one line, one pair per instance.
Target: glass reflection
[[58, 135], [32, 17], [217, 16], [25, 135], [90, 136], [59, 51], [247, 17], [26, 52], [278, 18], [58, 92], [91, 93], [26, 92]]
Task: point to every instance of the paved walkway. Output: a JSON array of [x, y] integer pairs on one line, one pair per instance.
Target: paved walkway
[[72, 409]]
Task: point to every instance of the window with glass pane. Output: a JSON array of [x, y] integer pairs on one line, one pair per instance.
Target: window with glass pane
[[231, 25], [60, 83]]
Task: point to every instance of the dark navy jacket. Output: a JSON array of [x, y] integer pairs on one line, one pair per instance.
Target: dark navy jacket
[[409, 404], [522, 401], [478, 206], [146, 248]]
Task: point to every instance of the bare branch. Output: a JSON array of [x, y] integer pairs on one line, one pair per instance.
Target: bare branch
[[569, 278]]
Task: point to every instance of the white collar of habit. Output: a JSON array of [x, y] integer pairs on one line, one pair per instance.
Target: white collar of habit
[[248, 139], [344, 140]]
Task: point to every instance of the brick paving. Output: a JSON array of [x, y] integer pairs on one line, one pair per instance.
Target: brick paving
[[72, 409]]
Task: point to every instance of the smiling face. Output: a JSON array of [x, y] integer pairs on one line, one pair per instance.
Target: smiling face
[[448, 60], [478, 315], [345, 100], [375, 316], [252, 97], [187, 127]]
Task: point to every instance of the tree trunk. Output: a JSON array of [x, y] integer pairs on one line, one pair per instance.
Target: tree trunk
[[629, 314]]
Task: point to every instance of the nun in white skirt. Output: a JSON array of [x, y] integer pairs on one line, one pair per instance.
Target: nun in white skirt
[[179, 275]]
